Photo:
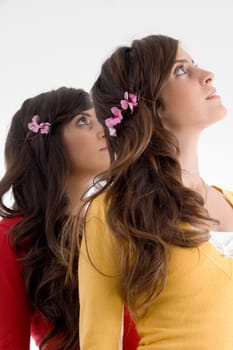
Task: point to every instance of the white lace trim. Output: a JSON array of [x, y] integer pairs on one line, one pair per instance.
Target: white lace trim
[[223, 241]]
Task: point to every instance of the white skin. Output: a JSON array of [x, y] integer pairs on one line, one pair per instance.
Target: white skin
[[189, 105], [87, 151]]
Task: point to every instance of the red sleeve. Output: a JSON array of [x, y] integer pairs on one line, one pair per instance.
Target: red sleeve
[[15, 313], [130, 337]]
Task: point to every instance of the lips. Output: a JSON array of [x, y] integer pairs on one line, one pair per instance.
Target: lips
[[212, 94], [105, 148]]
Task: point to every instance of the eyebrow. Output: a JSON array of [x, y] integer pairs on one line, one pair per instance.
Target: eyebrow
[[184, 61], [85, 114]]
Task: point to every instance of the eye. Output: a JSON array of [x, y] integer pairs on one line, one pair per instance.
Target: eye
[[195, 63], [83, 120], [180, 70]]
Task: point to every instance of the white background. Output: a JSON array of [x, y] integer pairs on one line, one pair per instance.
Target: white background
[[45, 44]]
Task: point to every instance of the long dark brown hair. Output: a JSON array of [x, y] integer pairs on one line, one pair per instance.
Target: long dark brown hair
[[148, 206], [37, 171]]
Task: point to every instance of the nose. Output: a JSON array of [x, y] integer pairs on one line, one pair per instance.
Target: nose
[[100, 131], [207, 77]]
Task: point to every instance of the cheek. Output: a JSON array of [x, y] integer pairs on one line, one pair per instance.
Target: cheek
[[77, 148], [74, 145], [181, 107]]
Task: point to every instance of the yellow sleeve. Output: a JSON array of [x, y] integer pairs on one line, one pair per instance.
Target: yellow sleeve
[[101, 306], [229, 196]]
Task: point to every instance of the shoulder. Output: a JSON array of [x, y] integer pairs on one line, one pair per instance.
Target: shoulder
[[5, 225], [227, 194], [8, 223], [97, 207], [9, 266], [99, 246]]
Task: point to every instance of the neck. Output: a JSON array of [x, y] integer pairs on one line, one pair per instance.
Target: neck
[[188, 158], [76, 187]]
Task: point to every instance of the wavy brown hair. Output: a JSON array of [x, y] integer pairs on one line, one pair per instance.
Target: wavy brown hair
[[37, 171], [147, 202]]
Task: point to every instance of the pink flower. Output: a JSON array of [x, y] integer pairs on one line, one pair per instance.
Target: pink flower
[[35, 127], [44, 128], [116, 119], [129, 101]]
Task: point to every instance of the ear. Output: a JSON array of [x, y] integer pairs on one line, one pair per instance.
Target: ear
[[159, 112], [160, 108]]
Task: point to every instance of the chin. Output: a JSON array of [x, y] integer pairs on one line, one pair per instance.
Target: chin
[[222, 113], [218, 115]]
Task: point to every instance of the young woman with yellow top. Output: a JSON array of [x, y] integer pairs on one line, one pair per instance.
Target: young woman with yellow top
[[157, 237]]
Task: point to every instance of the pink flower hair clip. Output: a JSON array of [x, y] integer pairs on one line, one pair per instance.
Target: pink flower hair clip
[[116, 119], [43, 128], [129, 101]]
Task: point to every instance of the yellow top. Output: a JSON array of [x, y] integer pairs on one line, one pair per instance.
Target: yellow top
[[193, 312]]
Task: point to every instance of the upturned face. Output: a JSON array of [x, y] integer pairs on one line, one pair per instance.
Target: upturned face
[[85, 144], [188, 97]]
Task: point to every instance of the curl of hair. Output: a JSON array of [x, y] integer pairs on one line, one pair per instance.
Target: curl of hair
[[146, 200], [37, 171]]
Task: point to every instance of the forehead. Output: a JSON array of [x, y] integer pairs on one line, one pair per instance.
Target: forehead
[[181, 54], [88, 112]]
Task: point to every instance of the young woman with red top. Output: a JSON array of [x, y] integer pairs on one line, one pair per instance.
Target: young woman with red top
[[54, 149]]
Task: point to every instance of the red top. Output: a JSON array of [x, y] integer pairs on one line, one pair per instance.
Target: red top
[[17, 320]]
